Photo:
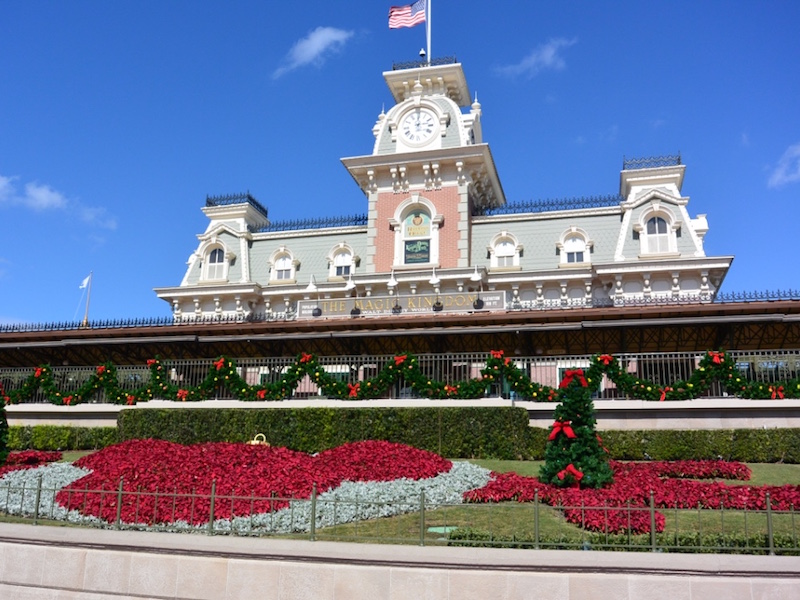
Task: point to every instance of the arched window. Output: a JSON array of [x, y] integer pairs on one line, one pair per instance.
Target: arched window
[[283, 267], [504, 251], [342, 263], [657, 236], [283, 264], [575, 249], [215, 264]]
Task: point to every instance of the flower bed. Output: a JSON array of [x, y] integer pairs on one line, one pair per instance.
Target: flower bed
[[606, 509], [257, 486]]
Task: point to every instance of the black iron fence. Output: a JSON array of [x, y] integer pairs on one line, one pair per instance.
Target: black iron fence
[[525, 525]]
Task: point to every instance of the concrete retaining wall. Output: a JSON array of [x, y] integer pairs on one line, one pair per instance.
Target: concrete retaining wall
[[80, 564]]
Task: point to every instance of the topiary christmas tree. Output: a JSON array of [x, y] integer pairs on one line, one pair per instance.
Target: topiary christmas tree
[[574, 455]]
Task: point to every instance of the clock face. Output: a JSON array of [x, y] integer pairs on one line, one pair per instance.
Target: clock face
[[418, 126]]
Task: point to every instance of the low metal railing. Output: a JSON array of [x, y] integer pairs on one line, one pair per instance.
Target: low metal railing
[[660, 368], [505, 525]]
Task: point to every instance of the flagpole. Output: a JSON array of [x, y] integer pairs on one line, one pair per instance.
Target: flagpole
[[428, 29], [88, 295]]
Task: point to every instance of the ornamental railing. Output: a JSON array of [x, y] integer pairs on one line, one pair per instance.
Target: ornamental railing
[[651, 162], [315, 223], [660, 368], [550, 205], [647, 527], [543, 305], [416, 64], [231, 199]]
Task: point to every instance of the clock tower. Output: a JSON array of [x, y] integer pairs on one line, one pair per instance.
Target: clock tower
[[429, 169]]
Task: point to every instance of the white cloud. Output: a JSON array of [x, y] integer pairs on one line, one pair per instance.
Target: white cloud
[[41, 198], [788, 169], [314, 48], [744, 140], [545, 57]]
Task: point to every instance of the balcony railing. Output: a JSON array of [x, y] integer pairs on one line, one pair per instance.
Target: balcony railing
[[660, 368]]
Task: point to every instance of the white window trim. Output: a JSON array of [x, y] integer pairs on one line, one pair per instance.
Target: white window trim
[[572, 232], [504, 236], [205, 252], [337, 250], [282, 252], [673, 224]]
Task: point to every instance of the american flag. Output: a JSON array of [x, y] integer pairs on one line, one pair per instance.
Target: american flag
[[407, 16]]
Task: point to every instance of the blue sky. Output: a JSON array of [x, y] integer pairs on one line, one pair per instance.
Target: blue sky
[[118, 118]]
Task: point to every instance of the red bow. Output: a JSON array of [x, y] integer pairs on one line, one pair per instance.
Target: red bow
[[572, 374], [449, 389], [305, 357], [353, 390], [664, 393], [716, 357], [67, 400], [563, 426], [182, 394], [130, 400], [776, 391], [219, 363], [38, 372], [261, 394], [151, 362], [399, 360], [605, 359], [570, 470], [508, 361], [101, 369], [497, 353]]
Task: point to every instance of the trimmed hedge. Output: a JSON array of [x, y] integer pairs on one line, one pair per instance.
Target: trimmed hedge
[[60, 437], [685, 542], [746, 445], [453, 432]]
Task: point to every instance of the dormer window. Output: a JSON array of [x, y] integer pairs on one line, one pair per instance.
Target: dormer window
[[216, 265], [342, 263], [284, 266], [504, 251], [657, 236], [575, 249]]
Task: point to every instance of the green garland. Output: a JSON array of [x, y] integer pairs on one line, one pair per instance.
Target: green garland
[[715, 366]]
